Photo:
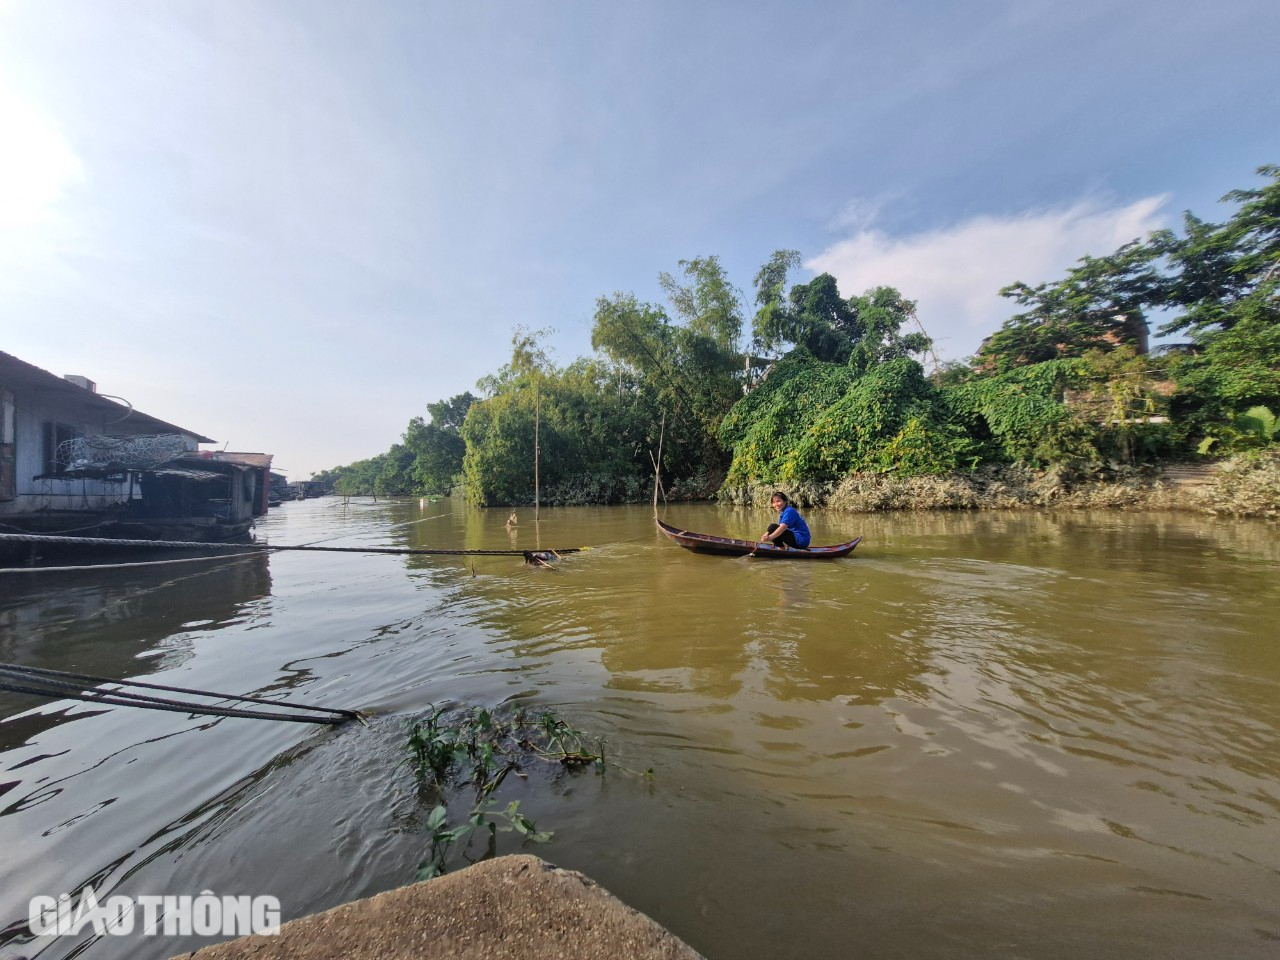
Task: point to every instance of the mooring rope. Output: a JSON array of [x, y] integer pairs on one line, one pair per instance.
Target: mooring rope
[[37, 681], [207, 545], [131, 564]]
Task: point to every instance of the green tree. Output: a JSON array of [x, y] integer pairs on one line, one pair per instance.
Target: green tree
[[438, 447], [690, 369], [875, 329], [1228, 273], [1225, 279], [395, 476], [708, 303], [861, 330], [592, 433], [771, 325], [449, 414], [1101, 303]]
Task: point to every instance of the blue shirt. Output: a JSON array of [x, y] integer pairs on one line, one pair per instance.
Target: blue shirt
[[795, 523]]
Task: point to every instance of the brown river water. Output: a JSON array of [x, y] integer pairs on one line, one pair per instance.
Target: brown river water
[[982, 735]]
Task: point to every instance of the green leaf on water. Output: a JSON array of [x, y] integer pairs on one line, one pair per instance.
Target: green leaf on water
[[427, 871], [467, 748], [437, 817]]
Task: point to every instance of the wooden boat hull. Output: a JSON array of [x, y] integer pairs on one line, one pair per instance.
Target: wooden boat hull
[[728, 547]]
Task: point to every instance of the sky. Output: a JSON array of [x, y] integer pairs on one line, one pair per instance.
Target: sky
[[291, 224]]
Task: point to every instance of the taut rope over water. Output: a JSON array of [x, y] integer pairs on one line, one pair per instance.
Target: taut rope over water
[[202, 545]]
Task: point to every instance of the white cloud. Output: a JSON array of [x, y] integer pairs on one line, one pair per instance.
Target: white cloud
[[858, 214], [36, 165], [956, 272]]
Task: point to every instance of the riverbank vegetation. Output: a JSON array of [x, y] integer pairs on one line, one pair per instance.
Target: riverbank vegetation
[[828, 395]]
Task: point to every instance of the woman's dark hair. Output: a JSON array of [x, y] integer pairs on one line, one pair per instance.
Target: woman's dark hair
[[780, 495]]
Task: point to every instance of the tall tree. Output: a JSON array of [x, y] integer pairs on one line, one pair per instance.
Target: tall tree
[[820, 320], [708, 303], [438, 447], [1224, 274], [449, 414], [1100, 304], [771, 325], [862, 330], [690, 367], [875, 329]]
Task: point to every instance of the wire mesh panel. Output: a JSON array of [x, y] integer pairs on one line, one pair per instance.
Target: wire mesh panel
[[129, 453]]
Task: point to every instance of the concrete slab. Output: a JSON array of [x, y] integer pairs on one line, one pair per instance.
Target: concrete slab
[[509, 908]]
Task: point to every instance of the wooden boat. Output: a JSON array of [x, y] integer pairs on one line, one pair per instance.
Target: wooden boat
[[726, 546]]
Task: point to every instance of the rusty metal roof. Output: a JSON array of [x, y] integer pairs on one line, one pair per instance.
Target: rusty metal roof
[[249, 459]]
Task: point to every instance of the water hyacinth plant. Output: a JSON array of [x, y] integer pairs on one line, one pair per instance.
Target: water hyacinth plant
[[479, 748]]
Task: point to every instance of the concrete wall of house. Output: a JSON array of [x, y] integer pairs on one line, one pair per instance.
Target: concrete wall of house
[[28, 439]]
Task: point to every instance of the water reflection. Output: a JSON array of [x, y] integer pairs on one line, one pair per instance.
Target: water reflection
[[1054, 731], [117, 623]]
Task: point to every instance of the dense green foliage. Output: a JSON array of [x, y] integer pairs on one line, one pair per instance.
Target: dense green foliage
[[590, 435], [831, 385], [1218, 283], [860, 331], [428, 460], [768, 423], [1019, 416], [815, 420]]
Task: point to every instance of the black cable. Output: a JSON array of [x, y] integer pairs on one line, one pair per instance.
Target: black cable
[[20, 671], [218, 545], [173, 707]]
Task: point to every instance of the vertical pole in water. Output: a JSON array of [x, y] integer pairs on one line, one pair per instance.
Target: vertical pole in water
[[537, 422], [657, 464]]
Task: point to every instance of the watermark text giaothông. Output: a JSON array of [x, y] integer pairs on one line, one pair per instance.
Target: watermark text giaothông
[[205, 915]]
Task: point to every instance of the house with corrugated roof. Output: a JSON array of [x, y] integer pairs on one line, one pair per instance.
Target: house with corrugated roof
[[74, 462]]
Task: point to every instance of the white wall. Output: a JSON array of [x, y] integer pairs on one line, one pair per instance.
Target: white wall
[[37, 495]]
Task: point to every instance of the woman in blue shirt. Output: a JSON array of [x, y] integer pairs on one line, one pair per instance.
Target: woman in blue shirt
[[790, 530]]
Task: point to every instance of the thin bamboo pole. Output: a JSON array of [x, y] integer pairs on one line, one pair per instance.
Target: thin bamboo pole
[[537, 424], [657, 464]]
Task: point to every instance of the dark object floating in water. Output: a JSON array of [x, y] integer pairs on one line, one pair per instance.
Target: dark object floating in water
[[541, 558], [726, 546]]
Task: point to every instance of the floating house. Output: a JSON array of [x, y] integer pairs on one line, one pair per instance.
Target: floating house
[[306, 489], [75, 463], [277, 489]]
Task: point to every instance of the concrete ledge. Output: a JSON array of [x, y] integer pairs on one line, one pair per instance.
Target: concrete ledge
[[518, 907]]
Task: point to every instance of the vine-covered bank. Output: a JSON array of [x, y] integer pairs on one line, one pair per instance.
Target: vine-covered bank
[[828, 395]]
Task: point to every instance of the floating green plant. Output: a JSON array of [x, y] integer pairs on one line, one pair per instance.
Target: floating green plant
[[485, 817], [479, 747]]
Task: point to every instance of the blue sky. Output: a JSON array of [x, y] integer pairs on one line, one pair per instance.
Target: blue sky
[[291, 224]]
